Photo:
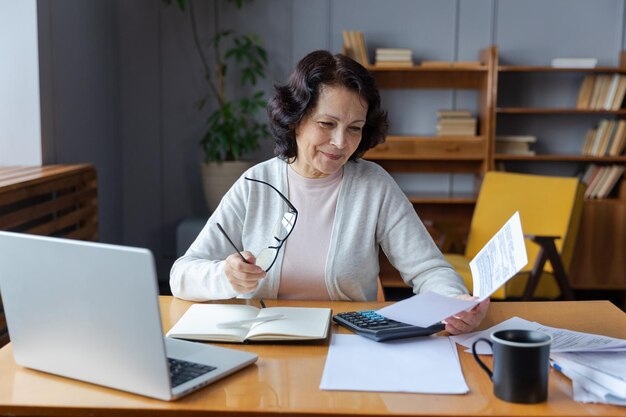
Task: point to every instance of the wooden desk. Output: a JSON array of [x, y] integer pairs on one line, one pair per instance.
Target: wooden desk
[[286, 378]]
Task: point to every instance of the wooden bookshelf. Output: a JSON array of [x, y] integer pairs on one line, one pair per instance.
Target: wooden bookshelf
[[598, 261], [602, 236]]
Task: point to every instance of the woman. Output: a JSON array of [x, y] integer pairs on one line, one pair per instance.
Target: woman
[[335, 209]]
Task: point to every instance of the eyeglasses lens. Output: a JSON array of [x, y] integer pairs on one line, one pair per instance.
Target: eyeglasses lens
[[266, 258], [284, 226]]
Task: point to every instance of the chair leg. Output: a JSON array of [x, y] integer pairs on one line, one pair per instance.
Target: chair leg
[[535, 274], [559, 271], [548, 252]]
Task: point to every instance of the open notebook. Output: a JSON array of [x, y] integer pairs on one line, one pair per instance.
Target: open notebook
[[202, 322]]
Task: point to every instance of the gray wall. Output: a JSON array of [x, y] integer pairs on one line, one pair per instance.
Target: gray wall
[[79, 75], [120, 80]]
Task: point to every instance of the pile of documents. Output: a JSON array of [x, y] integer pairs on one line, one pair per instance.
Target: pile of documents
[[596, 364], [598, 376]]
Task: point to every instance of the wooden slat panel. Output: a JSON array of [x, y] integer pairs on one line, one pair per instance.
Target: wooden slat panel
[[37, 211], [50, 200], [84, 214], [13, 195]]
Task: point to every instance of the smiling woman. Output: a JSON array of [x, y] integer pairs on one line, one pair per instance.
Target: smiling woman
[[323, 120]]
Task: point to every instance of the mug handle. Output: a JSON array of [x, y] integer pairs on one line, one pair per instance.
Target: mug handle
[[482, 365]]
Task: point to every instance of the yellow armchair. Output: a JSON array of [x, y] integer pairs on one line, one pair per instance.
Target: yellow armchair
[[550, 210]]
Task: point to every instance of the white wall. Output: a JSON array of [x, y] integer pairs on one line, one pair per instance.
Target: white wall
[[20, 121]]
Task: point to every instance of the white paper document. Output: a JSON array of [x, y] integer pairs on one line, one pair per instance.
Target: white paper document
[[563, 340], [425, 309], [500, 259], [423, 365], [497, 262]]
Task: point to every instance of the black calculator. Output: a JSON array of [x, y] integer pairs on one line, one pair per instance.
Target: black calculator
[[370, 324]]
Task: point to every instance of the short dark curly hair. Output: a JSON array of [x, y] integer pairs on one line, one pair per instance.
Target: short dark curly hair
[[293, 100]]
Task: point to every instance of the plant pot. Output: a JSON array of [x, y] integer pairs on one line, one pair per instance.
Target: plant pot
[[218, 177]]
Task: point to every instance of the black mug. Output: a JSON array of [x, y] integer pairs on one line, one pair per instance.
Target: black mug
[[520, 365]]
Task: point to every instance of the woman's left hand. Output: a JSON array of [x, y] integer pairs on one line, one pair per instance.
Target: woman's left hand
[[466, 321]]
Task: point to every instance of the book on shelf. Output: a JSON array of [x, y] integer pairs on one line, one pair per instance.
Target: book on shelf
[[586, 176], [354, 46], [601, 180], [218, 322], [394, 57], [620, 92], [574, 62], [455, 123], [619, 139], [612, 90], [603, 88], [612, 177], [608, 139], [394, 51], [515, 144], [601, 92], [588, 142], [584, 93]]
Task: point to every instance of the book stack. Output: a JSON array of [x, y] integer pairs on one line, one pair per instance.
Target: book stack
[[601, 92], [354, 46], [608, 139], [393, 57], [515, 144], [601, 180], [455, 123]]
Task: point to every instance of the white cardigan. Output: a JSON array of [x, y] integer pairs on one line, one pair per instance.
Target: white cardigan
[[371, 211]]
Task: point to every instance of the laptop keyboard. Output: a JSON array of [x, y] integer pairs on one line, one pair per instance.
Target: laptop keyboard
[[183, 371]]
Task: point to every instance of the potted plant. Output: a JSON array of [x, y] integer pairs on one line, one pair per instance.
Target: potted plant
[[233, 130]]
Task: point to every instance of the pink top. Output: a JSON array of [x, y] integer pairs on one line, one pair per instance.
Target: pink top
[[304, 264]]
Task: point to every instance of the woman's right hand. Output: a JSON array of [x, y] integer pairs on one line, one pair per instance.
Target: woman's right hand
[[244, 277]]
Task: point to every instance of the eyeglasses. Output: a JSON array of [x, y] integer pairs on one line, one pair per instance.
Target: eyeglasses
[[283, 228]]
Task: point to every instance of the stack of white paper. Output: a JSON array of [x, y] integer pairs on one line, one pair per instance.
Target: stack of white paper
[[598, 377]]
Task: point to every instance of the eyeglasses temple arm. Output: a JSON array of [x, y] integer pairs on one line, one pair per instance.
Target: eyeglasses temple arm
[[275, 189], [219, 226]]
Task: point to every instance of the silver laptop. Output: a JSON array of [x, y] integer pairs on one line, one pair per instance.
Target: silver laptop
[[90, 311]]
